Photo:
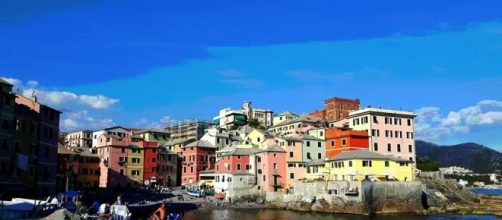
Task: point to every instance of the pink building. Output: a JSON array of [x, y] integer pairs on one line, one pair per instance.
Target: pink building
[[391, 132], [271, 169], [296, 164], [196, 156], [112, 151]]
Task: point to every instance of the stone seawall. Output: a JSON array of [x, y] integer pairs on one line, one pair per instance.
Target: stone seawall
[[372, 198]]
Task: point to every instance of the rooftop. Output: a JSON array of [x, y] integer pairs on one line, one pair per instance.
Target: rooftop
[[381, 111], [200, 143], [303, 118], [366, 154]]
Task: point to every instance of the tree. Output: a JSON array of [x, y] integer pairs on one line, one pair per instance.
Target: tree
[[427, 165], [254, 123]]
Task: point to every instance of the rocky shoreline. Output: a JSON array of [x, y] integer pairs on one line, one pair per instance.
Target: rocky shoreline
[[440, 197]]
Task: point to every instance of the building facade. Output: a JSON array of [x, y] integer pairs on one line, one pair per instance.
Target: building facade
[[390, 132], [345, 139], [336, 108], [187, 130], [363, 164], [271, 169], [285, 116], [196, 157], [79, 139], [264, 116]]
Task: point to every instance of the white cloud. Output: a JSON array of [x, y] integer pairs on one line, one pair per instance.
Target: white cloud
[[430, 125], [12, 81], [98, 101], [160, 124], [83, 120], [57, 98]]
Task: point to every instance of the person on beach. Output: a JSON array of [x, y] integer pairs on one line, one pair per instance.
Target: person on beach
[[104, 210], [160, 213], [119, 201]]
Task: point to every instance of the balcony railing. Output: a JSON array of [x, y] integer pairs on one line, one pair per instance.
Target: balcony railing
[[276, 183]]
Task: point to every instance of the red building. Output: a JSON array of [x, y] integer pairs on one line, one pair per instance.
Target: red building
[[234, 161], [151, 149], [167, 168], [345, 139], [336, 109], [196, 156]]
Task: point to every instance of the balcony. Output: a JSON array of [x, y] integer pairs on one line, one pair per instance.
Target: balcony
[[276, 183]]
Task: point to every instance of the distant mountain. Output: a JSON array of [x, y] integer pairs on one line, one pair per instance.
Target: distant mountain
[[472, 156]]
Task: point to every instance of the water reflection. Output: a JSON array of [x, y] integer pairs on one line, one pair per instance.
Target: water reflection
[[276, 214]]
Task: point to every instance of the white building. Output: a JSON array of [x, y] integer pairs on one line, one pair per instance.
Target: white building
[[117, 131], [264, 116], [297, 125], [228, 118], [454, 170], [79, 139], [391, 132]]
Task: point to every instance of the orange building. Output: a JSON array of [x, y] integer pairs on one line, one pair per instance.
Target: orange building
[[336, 109], [345, 139]]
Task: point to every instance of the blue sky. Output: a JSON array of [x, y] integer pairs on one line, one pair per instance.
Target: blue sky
[[142, 65]]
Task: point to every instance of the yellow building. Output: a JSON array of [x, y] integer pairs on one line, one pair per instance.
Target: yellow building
[[317, 170], [363, 164], [257, 137], [135, 164]]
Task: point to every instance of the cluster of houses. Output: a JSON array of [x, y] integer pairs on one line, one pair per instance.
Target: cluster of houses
[[341, 142]]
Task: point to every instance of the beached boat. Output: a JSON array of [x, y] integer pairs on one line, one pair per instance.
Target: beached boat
[[194, 193], [219, 196], [20, 208]]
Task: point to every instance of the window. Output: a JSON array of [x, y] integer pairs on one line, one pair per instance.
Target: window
[[321, 134], [367, 163], [290, 154], [375, 119], [123, 150], [410, 148], [308, 156], [218, 140], [184, 169], [291, 165], [386, 163], [121, 172], [275, 165], [308, 143], [238, 166], [375, 146], [389, 147], [350, 163], [263, 177], [344, 141], [398, 147], [258, 140], [191, 169], [318, 155], [318, 144], [291, 175], [409, 122], [332, 144]]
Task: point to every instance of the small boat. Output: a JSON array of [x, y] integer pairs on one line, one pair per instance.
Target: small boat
[[194, 193], [219, 196]]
